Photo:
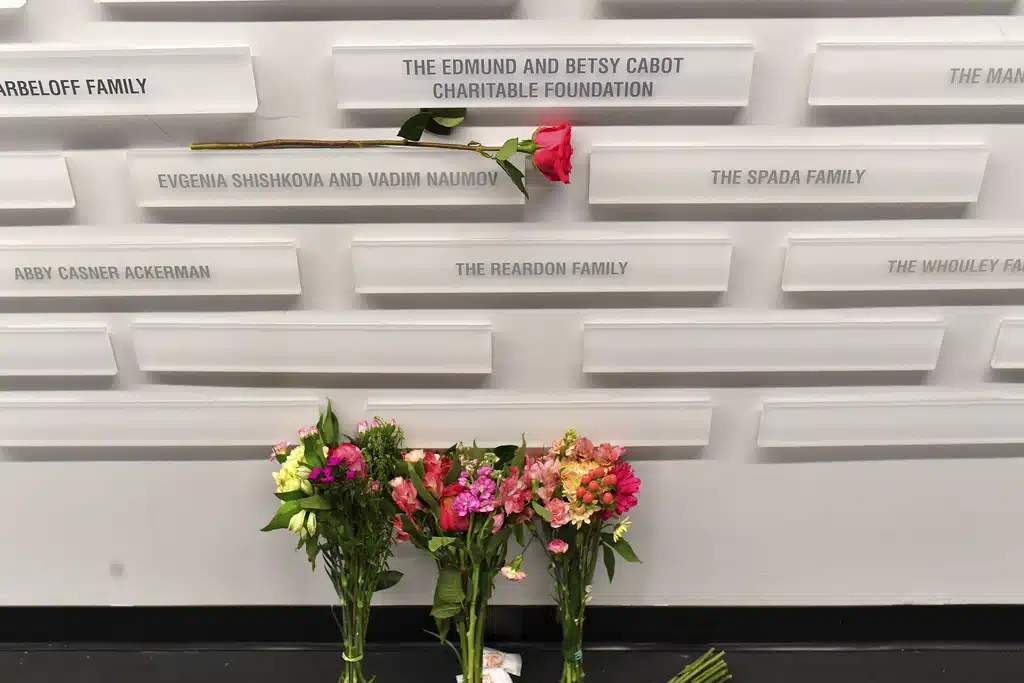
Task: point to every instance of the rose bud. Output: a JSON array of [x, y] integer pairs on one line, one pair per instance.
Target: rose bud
[[553, 151]]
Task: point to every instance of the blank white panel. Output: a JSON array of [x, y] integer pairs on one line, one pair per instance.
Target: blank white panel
[[339, 344], [441, 422], [802, 173], [909, 73], [8, 5], [400, 4], [314, 177], [35, 181], [56, 350], [784, 342], [1009, 350], [139, 419], [908, 420], [541, 262], [62, 81], [194, 267], [972, 260]]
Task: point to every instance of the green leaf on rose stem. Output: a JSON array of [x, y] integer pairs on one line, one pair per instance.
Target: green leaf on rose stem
[[520, 531], [508, 150], [417, 480], [315, 503], [283, 515], [413, 128], [454, 472], [443, 625], [297, 494], [388, 579], [438, 542], [437, 129], [449, 118], [542, 511], [515, 174], [622, 547], [609, 562]]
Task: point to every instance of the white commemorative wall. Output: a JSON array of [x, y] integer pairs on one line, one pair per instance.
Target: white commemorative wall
[[794, 289]]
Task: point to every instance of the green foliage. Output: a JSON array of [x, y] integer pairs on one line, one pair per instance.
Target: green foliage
[[508, 150], [609, 563], [542, 511], [438, 542], [621, 546], [448, 594], [282, 516], [513, 172], [436, 121], [388, 579]]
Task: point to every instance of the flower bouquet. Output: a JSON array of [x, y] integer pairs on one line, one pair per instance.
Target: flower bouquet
[[584, 490], [462, 506], [332, 498]]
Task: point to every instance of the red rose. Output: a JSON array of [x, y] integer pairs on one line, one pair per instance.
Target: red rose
[[554, 158], [450, 520]]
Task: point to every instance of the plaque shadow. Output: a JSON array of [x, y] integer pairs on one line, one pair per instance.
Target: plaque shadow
[[1006, 375], [339, 214], [704, 380], [915, 115], [897, 298], [144, 304], [877, 453], [319, 380], [763, 9], [665, 453], [546, 300], [66, 383], [19, 217], [775, 212], [117, 132], [584, 116], [136, 454], [304, 10]]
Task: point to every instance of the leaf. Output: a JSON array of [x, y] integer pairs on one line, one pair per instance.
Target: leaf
[[505, 454], [542, 511], [515, 174], [609, 563], [329, 427], [283, 515], [437, 128], [520, 458], [415, 534], [312, 550], [413, 128], [508, 150], [297, 494], [421, 489], [438, 542], [443, 625], [388, 579], [520, 531], [448, 593], [441, 612], [454, 472], [622, 547], [314, 503], [449, 118], [495, 541]]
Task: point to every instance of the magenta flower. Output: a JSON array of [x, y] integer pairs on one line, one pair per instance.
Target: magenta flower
[[314, 473]]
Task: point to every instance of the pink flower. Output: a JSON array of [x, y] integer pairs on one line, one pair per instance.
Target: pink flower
[[513, 574], [280, 449], [554, 158], [499, 521], [544, 471], [607, 455], [558, 546], [627, 485], [400, 535], [584, 448], [560, 512], [302, 433], [362, 426], [374, 486], [404, 494], [413, 456], [352, 457], [514, 492]]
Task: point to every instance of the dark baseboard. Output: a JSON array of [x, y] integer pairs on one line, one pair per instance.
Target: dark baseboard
[[676, 626]]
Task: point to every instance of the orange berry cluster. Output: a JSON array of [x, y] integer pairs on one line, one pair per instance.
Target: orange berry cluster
[[597, 486]]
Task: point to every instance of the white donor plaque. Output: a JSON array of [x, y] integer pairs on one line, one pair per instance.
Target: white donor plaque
[[896, 173], [541, 263], [42, 82], [35, 181], [312, 178], [863, 263], [544, 76], [8, 5], [124, 269], [924, 74]]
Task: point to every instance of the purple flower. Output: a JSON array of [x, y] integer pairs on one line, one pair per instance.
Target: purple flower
[[484, 471], [334, 461], [351, 474], [327, 477], [314, 473]]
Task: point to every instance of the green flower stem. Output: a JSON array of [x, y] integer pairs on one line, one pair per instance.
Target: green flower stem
[[573, 572], [284, 143]]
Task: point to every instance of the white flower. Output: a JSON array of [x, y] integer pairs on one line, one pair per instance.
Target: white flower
[[297, 524], [414, 456], [307, 487], [396, 482], [311, 524]]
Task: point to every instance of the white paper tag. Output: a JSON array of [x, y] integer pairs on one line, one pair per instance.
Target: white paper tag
[[491, 676], [496, 659]]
